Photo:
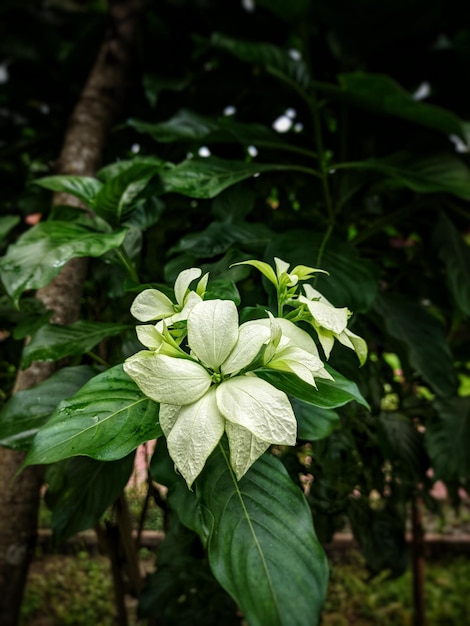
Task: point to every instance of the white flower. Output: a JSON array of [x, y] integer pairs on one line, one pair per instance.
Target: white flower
[[152, 304], [207, 393], [295, 351], [330, 323]]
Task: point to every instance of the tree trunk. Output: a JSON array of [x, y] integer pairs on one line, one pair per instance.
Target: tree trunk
[[81, 154]]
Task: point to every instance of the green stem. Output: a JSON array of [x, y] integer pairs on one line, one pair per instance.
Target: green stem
[[322, 247], [127, 263], [98, 359]]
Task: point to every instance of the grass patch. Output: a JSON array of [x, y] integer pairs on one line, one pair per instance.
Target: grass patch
[[354, 598], [77, 590]]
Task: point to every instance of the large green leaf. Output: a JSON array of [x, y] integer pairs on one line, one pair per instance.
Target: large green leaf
[[438, 173], [28, 410], [81, 489], [328, 395], [53, 342], [189, 126], [447, 439], [266, 55], [292, 10], [314, 422], [352, 280], [402, 444], [118, 197], [207, 177], [456, 256], [41, 252], [106, 420], [262, 546], [383, 95], [219, 237], [381, 535], [424, 339], [84, 188], [7, 223]]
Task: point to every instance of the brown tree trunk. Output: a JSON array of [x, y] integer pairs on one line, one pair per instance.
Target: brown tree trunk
[[81, 154]]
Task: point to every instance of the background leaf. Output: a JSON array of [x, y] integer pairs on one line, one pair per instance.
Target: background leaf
[[423, 338], [381, 94], [117, 198], [266, 55], [28, 410], [53, 341], [207, 177], [81, 489], [7, 223], [402, 444], [189, 126], [447, 438], [106, 420], [40, 253], [314, 422], [84, 188], [456, 257], [438, 173], [262, 547]]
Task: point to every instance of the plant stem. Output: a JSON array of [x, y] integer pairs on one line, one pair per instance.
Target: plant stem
[[417, 554], [127, 263]]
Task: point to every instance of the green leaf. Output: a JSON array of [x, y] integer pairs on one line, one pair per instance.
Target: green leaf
[[351, 281], [84, 188], [456, 256], [438, 173], [328, 395], [266, 55], [423, 337], [7, 223], [83, 491], [447, 439], [314, 422], [402, 444], [381, 94], [207, 177], [191, 127], [223, 289], [262, 546], [42, 251], [119, 195], [292, 10], [106, 420], [53, 342], [219, 237], [28, 410], [381, 535]]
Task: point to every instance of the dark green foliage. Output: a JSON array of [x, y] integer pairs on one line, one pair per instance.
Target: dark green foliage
[[369, 182]]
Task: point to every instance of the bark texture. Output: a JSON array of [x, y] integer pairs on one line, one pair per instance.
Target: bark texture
[[85, 137]]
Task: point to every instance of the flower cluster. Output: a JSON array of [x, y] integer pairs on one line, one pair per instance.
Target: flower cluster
[[209, 386]]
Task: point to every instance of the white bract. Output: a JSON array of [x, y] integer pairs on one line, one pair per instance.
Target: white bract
[[330, 323], [152, 304], [213, 389], [282, 278]]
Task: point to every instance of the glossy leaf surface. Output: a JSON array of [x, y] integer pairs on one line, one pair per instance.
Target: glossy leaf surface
[[106, 420], [262, 545], [41, 253], [53, 342], [27, 411], [328, 395], [81, 489]]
